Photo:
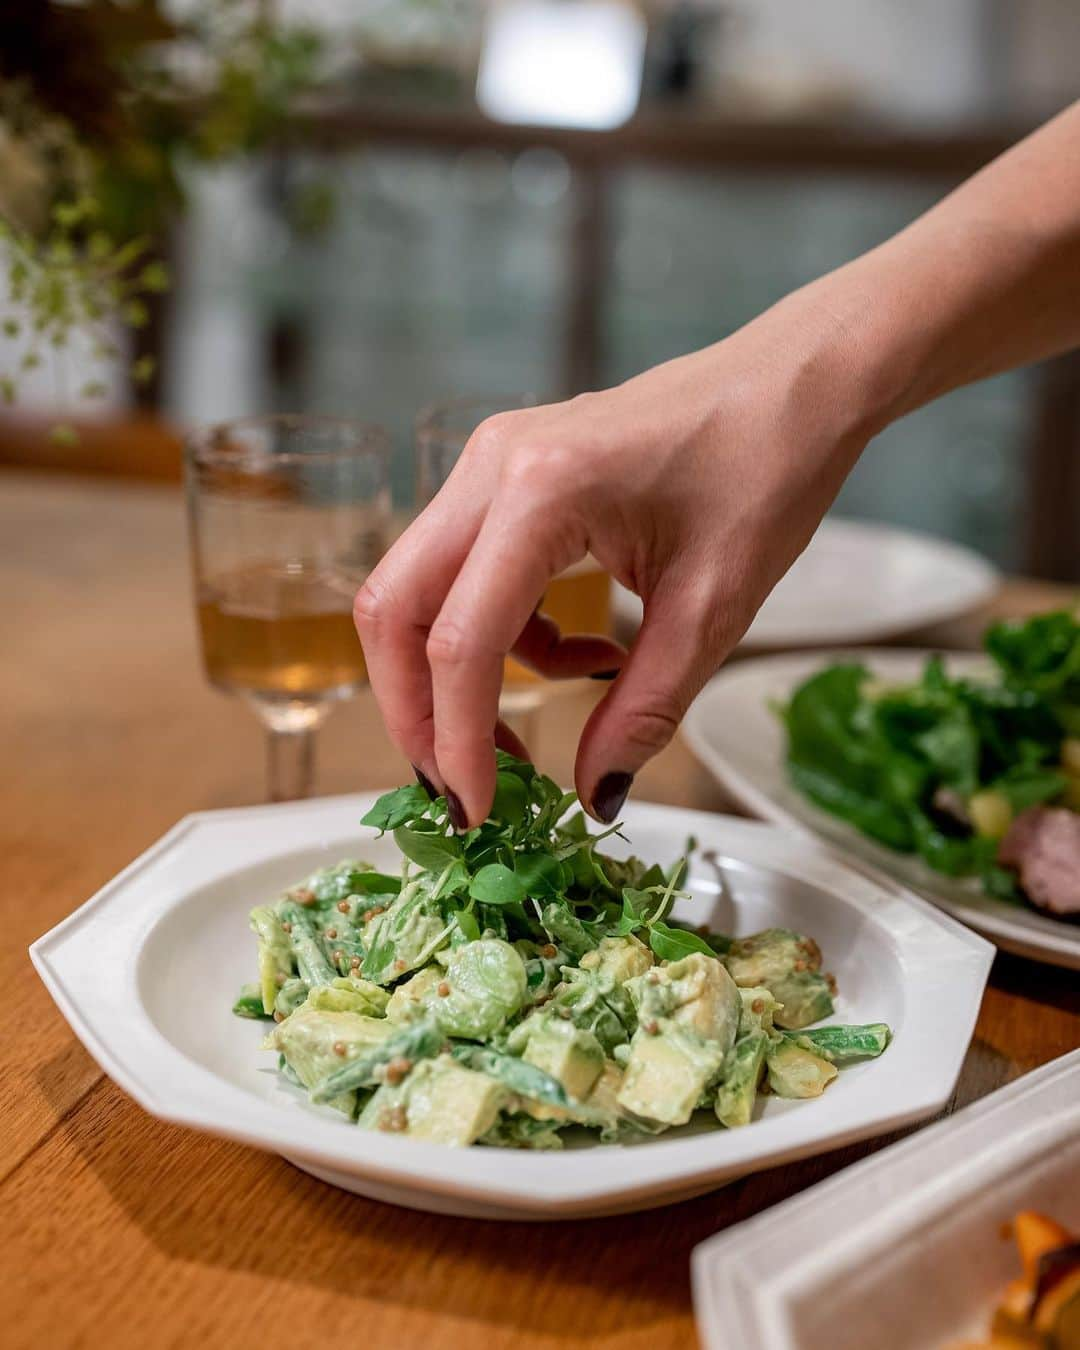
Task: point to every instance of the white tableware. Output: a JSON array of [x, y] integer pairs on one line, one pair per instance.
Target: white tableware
[[904, 1249], [147, 970], [860, 582], [734, 732]]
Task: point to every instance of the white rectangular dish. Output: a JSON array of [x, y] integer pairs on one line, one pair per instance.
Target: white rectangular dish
[[146, 973], [733, 730], [905, 1248]]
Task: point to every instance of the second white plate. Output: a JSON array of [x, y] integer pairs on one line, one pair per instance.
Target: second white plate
[[733, 731], [861, 582], [147, 970]]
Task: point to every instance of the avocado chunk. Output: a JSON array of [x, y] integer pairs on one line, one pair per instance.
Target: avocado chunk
[[621, 958], [696, 993], [805, 997], [604, 1097], [788, 964], [759, 1008], [796, 1072], [275, 953], [667, 1074], [316, 1042], [440, 1101], [347, 994], [573, 1057], [737, 1092], [415, 994]]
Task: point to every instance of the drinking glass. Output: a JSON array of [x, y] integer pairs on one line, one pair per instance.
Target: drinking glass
[[288, 515], [579, 599]]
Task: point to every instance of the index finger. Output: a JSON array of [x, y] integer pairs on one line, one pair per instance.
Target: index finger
[[393, 612], [485, 611]]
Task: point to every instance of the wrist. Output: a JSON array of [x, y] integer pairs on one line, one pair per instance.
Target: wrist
[[846, 356]]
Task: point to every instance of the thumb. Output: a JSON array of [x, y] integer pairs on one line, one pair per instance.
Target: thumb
[[683, 638]]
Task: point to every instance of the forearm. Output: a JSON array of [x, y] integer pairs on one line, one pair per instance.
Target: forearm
[[987, 280]]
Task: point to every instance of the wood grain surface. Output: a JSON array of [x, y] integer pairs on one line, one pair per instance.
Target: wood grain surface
[[123, 1231]]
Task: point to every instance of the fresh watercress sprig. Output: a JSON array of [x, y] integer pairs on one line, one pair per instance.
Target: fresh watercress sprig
[[530, 847]]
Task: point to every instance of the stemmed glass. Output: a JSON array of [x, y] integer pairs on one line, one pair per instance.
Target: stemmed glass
[[288, 515], [579, 599]]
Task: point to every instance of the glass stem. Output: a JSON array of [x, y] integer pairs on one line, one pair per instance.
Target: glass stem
[[290, 763]]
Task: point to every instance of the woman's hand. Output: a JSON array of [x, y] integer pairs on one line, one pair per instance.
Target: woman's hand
[[696, 485]]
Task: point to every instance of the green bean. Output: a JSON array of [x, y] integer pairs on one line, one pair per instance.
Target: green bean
[[421, 1040], [839, 1044]]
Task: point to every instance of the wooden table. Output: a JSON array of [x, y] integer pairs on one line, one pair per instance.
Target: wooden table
[[126, 1232]]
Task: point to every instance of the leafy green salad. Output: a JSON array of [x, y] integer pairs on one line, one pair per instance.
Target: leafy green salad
[[514, 983], [980, 777]]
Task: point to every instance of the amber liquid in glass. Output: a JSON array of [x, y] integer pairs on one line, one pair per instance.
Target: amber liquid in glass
[[579, 600], [281, 633]]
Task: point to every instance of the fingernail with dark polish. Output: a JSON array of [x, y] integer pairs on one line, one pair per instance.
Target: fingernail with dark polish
[[457, 811], [603, 674], [610, 794], [425, 782]]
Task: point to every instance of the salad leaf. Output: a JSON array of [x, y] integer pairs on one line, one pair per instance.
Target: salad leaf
[[395, 808], [672, 944], [429, 851], [496, 884]]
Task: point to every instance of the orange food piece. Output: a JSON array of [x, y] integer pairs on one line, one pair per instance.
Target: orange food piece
[[1059, 1312], [1035, 1235], [1016, 1300]]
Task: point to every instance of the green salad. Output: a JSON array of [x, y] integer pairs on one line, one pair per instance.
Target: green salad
[[980, 777], [514, 983]]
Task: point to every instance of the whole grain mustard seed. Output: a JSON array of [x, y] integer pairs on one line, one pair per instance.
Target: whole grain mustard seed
[[303, 895], [331, 933], [651, 1027], [286, 927], [442, 989], [343, 906], [758, 1005], [339, 1047], [397, 1069], [549, 950], [338, 956]]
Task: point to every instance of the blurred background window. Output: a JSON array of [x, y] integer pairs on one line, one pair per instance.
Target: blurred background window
[[372, 239]]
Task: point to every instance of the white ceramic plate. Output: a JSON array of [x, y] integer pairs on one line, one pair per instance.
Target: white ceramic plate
[[732, 730], [860, 582], [909, 1239], [146, 972]]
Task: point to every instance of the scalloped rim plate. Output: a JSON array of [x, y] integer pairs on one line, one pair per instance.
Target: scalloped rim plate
[[145, 973]]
